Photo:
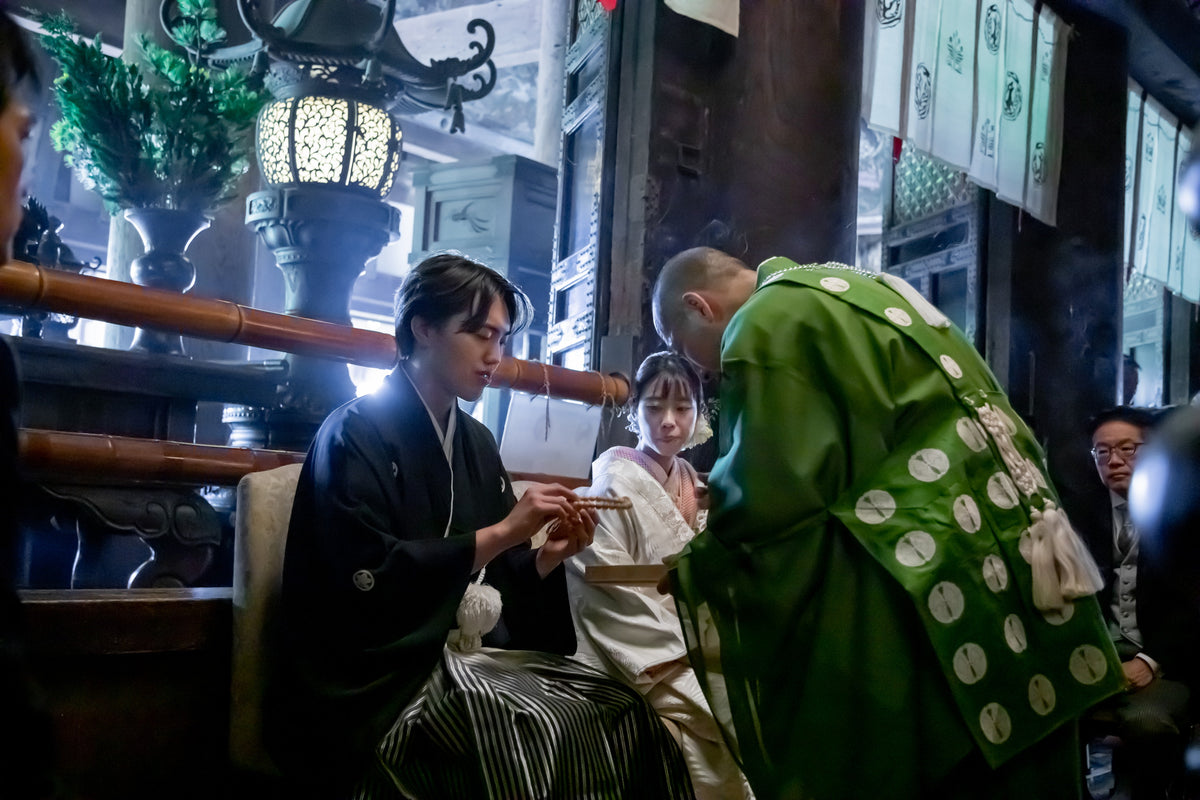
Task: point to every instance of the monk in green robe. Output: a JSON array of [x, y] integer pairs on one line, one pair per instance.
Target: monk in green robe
[[887, 601]]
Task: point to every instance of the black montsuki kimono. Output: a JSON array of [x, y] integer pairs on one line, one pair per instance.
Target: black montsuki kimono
[[371, 584], [367, 699]]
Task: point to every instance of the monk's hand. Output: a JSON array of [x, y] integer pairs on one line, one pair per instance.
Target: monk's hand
[[1138, 674], [565, 538], [664, 583]]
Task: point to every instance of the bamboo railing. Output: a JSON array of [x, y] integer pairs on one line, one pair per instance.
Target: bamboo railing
[[88, 457], [31, 286]]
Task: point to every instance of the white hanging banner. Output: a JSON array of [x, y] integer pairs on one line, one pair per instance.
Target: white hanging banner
[[1045, 116], [1147, 172], [722, 14], [1158, 256], [1133, 126], [954, 88], [1191, 262], [922, 73], [887, 25], [989, 80], [1189, 273], [1012, 135]]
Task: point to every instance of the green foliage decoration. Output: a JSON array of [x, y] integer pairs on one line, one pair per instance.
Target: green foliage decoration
[[176, 137]]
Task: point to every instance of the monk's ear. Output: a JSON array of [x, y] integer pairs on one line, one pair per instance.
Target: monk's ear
[[700, 305]]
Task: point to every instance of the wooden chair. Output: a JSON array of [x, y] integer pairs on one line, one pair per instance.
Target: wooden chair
[[264, 508]]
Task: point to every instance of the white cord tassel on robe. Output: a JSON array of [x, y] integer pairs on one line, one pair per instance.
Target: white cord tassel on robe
[[478, 613], [1063, 569]]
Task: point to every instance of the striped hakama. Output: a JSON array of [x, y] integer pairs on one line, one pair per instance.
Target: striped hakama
[[511, 724]]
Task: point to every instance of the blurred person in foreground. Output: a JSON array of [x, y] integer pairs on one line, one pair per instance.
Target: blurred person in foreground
[[25, 759]]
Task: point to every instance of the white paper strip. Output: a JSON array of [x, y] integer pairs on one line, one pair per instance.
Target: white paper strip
[[989, 80], [1012, 136], [1045, 117], [1158, 255], [1133, 126], [887, 28], [1147, 173], [1189, 278], [565, 448], [954, 88], [922, 73], [719, 13]]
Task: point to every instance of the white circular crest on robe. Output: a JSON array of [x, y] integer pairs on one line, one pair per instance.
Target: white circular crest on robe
[[970, 663], [972, 434], [364, 581], [946, 602], [1041, 695], [915, 549], [995, 723], [1057, 616], [1025, 546], [834, 284], [1014, 633], [966, 513], [928, 465], [995, 574], [898, 315], [1087, 664], [875, 506], [1002, 491], [951, 366]]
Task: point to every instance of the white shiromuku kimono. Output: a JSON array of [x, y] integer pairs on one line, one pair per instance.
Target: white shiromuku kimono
[[633, 632]]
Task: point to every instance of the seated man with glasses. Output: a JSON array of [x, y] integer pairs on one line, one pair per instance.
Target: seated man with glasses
[[1155, 633]]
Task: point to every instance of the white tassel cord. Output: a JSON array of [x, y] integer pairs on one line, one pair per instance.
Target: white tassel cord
[[1063, 569], [478, 613]]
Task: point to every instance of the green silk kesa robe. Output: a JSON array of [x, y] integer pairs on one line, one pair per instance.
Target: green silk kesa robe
[[860, 607]]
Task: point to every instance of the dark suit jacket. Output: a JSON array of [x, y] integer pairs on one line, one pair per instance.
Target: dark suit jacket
[[1169, 623]]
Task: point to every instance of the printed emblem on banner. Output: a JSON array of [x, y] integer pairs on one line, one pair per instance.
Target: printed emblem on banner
[[1014, 101], [1160, 200], [889, 12], [987, 139], [1038, 163], [1150, 140], [1141, 232], [991, 28], [1177, 261], [955, 53], [1128, 173], [1044, 66], [922, 90]]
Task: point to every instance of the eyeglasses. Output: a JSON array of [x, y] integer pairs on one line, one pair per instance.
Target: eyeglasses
[[1126, 451]]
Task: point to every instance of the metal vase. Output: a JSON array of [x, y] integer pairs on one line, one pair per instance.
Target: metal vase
[[166, 234]]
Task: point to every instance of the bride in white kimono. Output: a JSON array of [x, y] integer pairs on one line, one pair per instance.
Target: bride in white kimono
[[633, 632]]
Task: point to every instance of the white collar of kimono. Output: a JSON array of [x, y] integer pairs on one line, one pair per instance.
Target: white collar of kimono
[[445, 437]]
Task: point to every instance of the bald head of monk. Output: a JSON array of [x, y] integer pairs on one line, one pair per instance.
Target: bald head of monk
[[695, 295]]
